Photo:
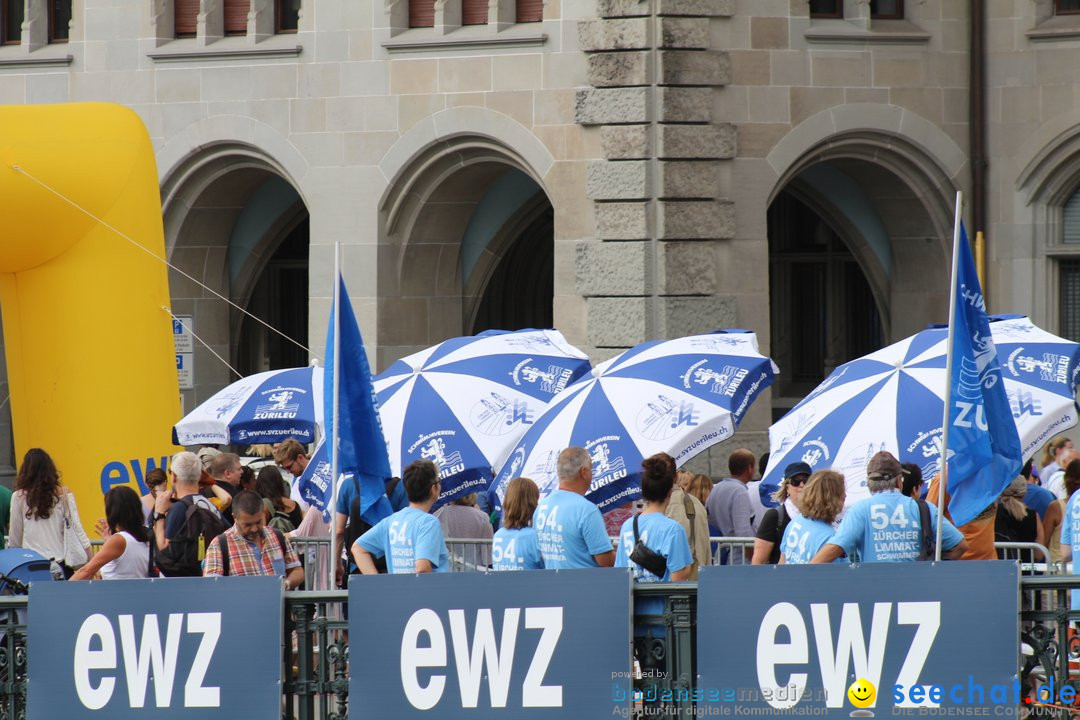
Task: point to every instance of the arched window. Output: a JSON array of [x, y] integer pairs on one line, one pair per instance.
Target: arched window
[[1070, 270], [822, 310]]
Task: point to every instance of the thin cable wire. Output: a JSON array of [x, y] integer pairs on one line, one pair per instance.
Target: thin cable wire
[[149, 252], [188, 328]]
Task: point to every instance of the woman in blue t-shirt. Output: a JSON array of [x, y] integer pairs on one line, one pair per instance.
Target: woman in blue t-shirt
[[821, 501], [659, 533], [514, 546]]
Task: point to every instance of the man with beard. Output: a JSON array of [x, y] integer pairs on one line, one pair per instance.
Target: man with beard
[[250, 548]]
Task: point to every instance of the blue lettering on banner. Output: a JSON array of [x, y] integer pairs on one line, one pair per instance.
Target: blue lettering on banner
[[115, 472], [892, 624], [155, 649], [491, 645]]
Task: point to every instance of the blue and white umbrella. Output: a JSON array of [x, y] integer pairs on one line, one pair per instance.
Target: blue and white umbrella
[[675, 396], [267, 407], [464, 403], [893, 400]]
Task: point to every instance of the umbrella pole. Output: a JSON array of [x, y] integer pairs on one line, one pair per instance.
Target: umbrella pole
[[944, 472], [333, 439]]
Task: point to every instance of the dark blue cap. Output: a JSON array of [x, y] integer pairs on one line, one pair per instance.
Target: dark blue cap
[[797, 468]]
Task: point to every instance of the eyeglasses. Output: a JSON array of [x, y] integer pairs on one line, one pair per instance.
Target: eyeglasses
[[797, 480]]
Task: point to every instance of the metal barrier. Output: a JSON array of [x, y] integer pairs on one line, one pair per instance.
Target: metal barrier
[[316, 553], [316, 649], [468, 555]]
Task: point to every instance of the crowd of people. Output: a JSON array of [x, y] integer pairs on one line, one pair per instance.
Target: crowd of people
[[219, 517]]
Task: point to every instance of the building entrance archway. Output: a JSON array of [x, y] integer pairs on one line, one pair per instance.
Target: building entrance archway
[[467, 245], [859, 233], [236, 222]]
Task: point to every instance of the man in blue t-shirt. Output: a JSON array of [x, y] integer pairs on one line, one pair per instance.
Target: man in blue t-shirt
[[886, 526], [411, 539], [569, 527], [1070, 540]]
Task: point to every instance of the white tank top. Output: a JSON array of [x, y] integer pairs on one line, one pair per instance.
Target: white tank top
[[134, 563]]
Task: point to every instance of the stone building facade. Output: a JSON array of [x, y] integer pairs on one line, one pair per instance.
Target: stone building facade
[[620, 169]]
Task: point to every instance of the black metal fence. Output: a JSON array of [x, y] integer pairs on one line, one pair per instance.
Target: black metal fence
[[316, 647]]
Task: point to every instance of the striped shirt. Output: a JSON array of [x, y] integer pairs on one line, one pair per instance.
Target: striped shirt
[[246, 558]]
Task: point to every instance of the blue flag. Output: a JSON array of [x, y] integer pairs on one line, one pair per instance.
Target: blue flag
[[984, 448], [316, 484], [361, 446]]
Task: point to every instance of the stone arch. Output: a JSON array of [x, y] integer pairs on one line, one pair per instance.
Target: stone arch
[[1048, 173], [235, 218], [910, 170], [882, 180], [463, 187]]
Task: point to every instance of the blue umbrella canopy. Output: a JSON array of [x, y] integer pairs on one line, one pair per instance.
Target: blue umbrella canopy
[[676, 396], [464, 403], [893, 400], [267, 407]]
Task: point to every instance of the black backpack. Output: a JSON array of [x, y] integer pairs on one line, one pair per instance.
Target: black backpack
[[927, 529], [184, 554]]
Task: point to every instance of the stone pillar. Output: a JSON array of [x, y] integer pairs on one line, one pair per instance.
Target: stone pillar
[[211, 21], [651, 273]]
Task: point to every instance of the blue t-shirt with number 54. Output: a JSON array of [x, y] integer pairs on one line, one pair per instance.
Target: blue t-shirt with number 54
[[405, 537], [570, 530], [660, 534], [516, 549], [885, 527], [803, 537], [1070, 535]]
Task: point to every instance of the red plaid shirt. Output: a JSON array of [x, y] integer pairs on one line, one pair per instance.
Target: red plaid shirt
[[242, 555]]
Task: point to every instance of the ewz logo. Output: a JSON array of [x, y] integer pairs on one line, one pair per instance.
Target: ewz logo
[[142, 659], [479, 655], [116, 472], [834, 652]]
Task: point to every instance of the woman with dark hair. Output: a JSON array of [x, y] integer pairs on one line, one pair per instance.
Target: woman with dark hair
[[126, 552], [39, 508], [912, 484], [651, 543], [515, 546], [270, 484]]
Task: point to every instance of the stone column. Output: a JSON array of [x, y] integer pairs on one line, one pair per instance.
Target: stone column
[[651, 273]]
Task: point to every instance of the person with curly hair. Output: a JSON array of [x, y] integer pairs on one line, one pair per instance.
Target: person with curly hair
[[39, 508], [819, 503]]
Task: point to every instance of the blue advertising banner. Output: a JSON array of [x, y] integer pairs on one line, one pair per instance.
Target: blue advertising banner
[[204, 648], [838, 641], [538, 644]]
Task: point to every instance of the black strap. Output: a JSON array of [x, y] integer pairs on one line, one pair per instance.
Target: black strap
[[223, 547], [926, 551], [636, 540]]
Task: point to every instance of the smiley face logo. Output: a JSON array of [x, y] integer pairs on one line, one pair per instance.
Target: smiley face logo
[[861, 693]]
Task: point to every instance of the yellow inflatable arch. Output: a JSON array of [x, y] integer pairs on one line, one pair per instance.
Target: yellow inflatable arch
[[89, 347]]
